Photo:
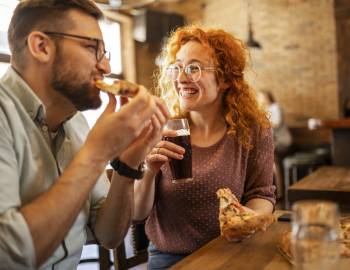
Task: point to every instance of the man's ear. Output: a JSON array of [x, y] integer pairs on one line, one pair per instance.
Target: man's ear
[[40, 46]]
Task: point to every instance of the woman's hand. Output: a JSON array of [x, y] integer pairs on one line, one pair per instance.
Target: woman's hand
[[163, 152]]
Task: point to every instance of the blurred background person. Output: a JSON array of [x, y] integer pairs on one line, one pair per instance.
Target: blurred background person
[[281, 135]]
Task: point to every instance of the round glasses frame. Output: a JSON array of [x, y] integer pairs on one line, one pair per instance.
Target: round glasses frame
[[193, 71]]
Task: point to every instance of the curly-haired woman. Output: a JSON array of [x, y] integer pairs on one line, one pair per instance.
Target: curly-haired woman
[[202, 78]]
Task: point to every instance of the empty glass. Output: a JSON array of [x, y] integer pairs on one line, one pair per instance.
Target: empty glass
[[315, 234]]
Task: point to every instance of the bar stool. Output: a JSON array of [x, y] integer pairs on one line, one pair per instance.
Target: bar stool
[[298, 166]]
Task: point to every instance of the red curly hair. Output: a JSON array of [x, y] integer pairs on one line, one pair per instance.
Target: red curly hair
[[241, 109]]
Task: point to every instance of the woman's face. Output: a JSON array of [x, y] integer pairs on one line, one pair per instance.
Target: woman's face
[[204, 93]]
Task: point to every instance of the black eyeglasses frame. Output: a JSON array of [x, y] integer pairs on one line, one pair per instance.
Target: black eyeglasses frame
[[98, 54]]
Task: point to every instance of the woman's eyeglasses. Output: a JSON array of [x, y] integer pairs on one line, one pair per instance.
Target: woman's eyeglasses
[[193, 71]]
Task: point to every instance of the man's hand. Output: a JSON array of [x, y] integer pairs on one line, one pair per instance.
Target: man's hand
[[148, 138], [114, 131]]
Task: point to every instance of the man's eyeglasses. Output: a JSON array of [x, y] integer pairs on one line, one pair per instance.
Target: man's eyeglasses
[[193, 71], [100, 51]]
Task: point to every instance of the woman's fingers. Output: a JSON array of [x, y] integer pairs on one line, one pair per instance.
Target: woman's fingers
[[156, 158], [171, 147], [159, 151]]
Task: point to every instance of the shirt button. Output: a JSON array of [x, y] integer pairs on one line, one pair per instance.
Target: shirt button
[[44, 128]]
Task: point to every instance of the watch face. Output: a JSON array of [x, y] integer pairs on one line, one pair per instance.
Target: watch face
[[142, 167]]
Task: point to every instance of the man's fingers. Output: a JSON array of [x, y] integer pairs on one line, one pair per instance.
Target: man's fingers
[[111, 106], [162, 106], [139, 109], [123, 100]]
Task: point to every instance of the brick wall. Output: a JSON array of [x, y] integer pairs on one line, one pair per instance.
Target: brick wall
[[298, 61]]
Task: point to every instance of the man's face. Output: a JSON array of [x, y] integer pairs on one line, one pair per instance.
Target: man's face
[[74, 84], [75, 67]]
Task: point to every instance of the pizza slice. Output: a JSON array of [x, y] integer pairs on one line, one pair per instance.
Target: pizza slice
[[119, 88], [236, 221], [345, 237]]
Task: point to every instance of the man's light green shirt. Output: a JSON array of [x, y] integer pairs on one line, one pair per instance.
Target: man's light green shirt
[[30, 163]]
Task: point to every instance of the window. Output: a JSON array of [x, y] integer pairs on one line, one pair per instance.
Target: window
[[111, 31], [6, 10], [111, 35]]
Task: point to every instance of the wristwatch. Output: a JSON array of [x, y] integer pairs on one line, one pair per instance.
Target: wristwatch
[[124, 170]]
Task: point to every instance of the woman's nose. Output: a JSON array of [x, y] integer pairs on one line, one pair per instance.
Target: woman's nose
[[183, 76]]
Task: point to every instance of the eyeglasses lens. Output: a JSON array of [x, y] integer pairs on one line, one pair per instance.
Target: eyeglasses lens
[[192, 71]]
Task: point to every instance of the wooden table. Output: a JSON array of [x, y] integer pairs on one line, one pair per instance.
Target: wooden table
[[257, 253], [326, 183]]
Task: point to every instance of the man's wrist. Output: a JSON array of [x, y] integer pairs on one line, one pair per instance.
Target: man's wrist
[[86, 157], [124, 169]]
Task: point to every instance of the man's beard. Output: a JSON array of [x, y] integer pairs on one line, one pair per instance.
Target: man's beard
[[66, 81]]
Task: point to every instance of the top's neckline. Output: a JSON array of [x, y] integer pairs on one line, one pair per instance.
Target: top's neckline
[[213, 145]]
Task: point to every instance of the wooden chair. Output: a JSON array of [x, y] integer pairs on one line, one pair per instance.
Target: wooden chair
[[139, 243], [103, 259]]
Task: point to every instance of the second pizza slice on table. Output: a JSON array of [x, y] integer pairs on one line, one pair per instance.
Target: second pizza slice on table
[[236, 221]]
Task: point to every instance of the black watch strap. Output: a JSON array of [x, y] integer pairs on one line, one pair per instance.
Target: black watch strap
[[124, 170]]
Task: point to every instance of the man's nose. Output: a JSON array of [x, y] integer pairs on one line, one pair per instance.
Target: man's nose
[[104, 66]]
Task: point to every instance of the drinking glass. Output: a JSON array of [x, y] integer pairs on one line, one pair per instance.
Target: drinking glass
[[181, 170], [315, 235]]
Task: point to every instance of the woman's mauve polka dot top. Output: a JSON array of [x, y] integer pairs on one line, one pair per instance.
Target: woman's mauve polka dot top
[[185, 215]]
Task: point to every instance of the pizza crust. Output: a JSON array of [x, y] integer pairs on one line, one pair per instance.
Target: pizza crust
[[236, 222], [118, 88]]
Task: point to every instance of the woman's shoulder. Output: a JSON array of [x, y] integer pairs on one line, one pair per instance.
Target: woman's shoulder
[[261, 131], [261, 136]]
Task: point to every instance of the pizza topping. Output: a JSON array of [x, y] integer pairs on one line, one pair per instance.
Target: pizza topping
[[118, 88]]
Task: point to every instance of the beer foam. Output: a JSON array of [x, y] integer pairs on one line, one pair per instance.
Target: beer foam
[[183, 132]]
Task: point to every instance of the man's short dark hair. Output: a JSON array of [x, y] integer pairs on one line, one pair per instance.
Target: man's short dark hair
[[43, 15]]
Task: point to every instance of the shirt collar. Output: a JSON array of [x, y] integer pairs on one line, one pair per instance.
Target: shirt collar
[[13, 81]]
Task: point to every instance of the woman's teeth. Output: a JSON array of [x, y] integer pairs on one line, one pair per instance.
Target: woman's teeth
[[187, 93]]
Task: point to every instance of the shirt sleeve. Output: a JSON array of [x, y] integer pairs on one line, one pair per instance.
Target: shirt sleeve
[[16, 244], [98, 197], [99, 193], [259, 177]]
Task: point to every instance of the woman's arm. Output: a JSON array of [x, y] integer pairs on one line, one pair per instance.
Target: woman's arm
[[144, 190], [261, 206]]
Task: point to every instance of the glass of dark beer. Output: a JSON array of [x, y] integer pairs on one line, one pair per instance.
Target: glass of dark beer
[[181, 170]]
